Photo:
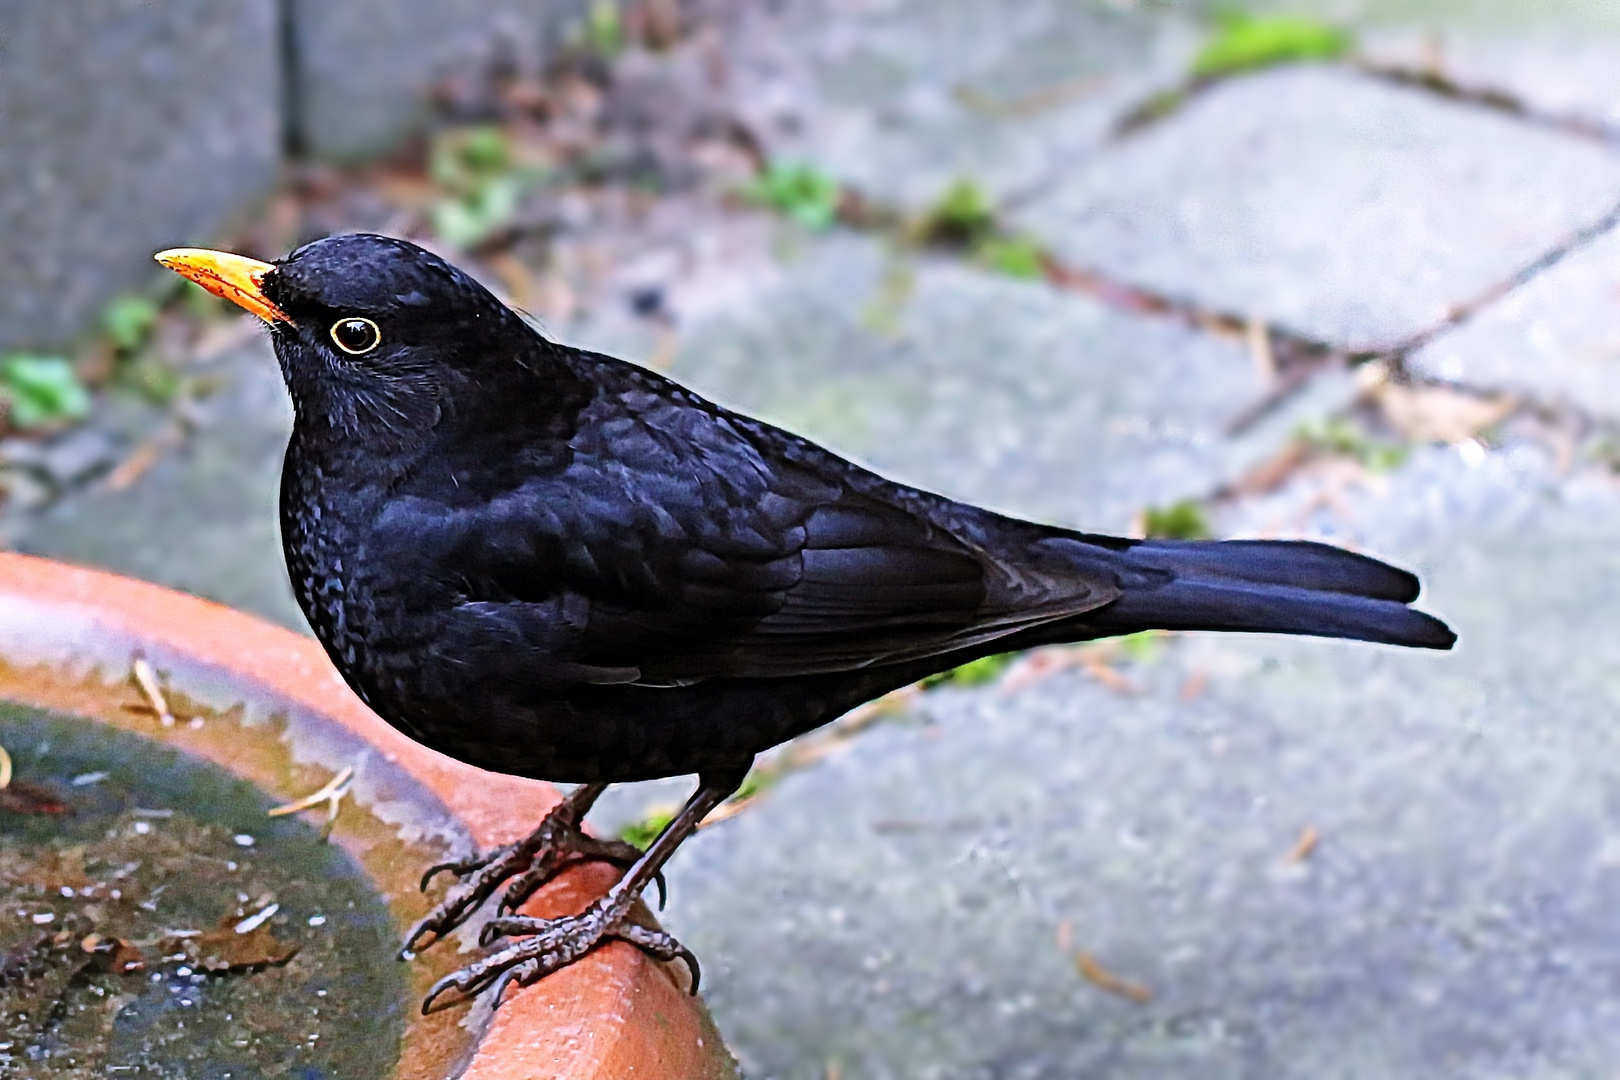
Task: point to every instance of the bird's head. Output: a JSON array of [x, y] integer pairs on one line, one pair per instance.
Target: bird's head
[[374, 334]]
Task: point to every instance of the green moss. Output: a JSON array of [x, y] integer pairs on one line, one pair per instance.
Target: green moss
[[1183, 520], [604, 27], [980, 672], [1344, 438], [1243, 42], [483, 181], [1149, 112]]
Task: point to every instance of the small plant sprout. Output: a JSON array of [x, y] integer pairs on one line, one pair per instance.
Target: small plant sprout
[[40, 391], [1244, 42], [809, 197]]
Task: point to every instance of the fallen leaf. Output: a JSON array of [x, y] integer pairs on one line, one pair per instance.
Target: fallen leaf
[[224, 949], [1441, 413], [25, 798]]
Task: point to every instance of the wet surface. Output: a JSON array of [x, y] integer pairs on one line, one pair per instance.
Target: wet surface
[[155, 923]]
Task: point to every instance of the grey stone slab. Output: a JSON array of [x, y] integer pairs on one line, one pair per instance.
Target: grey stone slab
[[127, 128], [1342, 208], [1507, 14], [1559, 57], [1559, 60], [1557, 337], [366, 69], [203, 518], [914, 907], [901, 98], [1007, 393]]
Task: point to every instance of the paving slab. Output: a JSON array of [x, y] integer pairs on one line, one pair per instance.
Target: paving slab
[[202, 519], [1342, 208], [1556, 338], [366, 70], [1560, 58], [128, 128], [901, 98], [917, 906], [1560, 74]]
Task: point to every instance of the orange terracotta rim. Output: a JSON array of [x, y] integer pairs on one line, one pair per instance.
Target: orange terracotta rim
[[65, 631]]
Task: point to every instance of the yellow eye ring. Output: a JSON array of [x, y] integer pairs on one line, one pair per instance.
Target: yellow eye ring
[[356, 336]]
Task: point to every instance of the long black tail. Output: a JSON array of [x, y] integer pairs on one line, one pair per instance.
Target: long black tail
[[1269, 586]]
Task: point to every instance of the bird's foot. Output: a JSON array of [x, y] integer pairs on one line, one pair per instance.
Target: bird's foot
[[527, 864], [551, 944]]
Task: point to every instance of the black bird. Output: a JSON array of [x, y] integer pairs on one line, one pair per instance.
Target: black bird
[[556, 564]]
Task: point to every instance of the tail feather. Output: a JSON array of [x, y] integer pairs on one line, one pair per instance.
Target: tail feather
[[1267, 586], [1301, 564], [1273, 609]]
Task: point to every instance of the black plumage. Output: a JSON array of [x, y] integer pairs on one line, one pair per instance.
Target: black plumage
[[553, 563]]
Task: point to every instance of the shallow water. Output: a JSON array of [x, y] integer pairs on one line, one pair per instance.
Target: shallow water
[[165, 861]]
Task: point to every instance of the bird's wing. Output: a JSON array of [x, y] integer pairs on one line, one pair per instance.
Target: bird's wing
[[667, 553]]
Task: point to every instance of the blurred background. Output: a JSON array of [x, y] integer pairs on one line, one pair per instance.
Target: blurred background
[[1345, 270]]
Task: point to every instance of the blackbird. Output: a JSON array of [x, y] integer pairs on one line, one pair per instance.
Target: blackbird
[[552, 563]]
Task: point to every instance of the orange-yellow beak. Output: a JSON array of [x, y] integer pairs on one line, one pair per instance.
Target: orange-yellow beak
[[235, 277]]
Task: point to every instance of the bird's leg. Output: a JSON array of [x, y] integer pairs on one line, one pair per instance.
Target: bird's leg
[[556, 943], [531, 862]]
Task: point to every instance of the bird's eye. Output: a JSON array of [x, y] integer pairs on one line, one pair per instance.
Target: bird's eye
[[356, 336]]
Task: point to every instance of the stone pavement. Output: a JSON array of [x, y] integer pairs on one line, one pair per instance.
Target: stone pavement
[[1313, 301]]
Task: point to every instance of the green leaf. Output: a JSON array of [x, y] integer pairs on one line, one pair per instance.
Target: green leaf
[[980, 672], [642, 833], [1012, 258], [1180, 521], [809, 197], [41, 390], [755, 782], [963, 215], [1141, 646], [129, 321], [463, 158], [1246, 42]]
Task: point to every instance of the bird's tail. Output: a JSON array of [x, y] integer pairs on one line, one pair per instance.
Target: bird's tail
[[1268, 586]]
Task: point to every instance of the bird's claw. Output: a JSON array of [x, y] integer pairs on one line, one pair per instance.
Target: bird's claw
[[477, 878], [460, 867], [532, 861], [580, 847], [551, 944]]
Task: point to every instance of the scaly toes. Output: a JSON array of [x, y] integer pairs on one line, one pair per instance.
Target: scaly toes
[[478, 879], [458, 867], [660, 946], [655, 943], [555, 943]]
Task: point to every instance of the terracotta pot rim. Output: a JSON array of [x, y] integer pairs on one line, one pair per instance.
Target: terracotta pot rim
[[95, 623]]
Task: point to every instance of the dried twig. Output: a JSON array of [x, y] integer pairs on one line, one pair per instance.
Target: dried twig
[[331, 794], [1258, 337], [147, 680], [1305, 846], [1097, 975]]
